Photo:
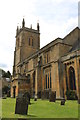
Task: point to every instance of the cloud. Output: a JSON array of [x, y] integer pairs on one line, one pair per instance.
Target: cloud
[[3, 65], [79, 14], [52, 31], [64, 1]]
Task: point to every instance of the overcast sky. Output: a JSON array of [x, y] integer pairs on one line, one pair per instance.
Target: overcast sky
[[56, 18]]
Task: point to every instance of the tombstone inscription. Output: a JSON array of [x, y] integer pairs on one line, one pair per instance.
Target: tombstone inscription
[[27, 96]]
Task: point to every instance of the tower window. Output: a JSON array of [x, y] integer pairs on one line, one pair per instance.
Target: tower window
[[30, 41]]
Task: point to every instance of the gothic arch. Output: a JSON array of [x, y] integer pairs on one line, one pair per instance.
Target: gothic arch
[[72, 80]]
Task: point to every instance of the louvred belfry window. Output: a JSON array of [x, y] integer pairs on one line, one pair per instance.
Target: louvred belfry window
[[31, 41]]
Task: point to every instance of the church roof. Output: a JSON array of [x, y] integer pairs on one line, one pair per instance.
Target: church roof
[[71, 40]]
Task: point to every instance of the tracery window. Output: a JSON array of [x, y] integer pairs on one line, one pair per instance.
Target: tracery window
[[47, 57], [48, 80]]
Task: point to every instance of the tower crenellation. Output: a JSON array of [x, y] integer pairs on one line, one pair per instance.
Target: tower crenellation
[[38, 27], [23, 23]]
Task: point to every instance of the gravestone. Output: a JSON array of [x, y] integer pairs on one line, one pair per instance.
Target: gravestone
[[42, 95], [8, 93], [21, 106], [63, 101], [35, 98], [39, 94], [52, 96], [78, 101], [27, 96], [45, 94], [20, 94]]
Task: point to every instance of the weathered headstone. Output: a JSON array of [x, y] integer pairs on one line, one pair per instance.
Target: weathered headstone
[[39, 94], [8, 93], [45, 94], [21, 106], [52, 96], [63, 102], [78, 101], [20, 94], [27, 96], [42, 95], [35, 98]]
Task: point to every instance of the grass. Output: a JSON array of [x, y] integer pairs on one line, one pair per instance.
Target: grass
[[79, 111], [41, 109]]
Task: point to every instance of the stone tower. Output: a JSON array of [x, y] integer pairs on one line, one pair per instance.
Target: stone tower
[[27, 43]]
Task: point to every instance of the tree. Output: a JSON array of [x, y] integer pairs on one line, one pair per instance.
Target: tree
[[6, 74], [5, 89]]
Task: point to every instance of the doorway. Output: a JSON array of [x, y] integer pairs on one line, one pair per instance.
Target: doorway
[[14, 91]]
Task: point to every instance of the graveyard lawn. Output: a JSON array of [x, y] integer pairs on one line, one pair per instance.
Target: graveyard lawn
[[41, 109]]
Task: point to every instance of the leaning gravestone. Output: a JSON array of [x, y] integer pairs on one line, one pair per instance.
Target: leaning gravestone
[[27, 96], [21, 106], [52, 96]]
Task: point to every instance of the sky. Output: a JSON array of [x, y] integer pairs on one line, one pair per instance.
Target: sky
[[56, 18]]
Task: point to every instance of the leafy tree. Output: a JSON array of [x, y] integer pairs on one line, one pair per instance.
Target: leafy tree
[[6, 74], [5, 89]]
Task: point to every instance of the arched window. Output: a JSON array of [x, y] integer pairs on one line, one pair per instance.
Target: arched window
[[46, 81], [50, 80], [72, 81]]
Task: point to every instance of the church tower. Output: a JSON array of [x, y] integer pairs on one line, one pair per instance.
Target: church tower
[[27, 43]]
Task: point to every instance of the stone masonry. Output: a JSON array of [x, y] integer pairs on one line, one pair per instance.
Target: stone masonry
[[55, 67]]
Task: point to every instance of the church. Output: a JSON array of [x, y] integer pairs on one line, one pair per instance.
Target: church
[[55, 67]]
